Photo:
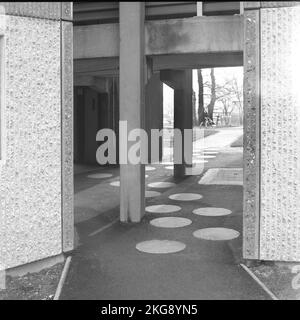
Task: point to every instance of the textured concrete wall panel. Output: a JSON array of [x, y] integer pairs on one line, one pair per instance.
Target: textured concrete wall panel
[[30, 181], [47, 10], [251, 136], [67, 10], [274, 4], [67, 135], [269, 4], [280, 134]]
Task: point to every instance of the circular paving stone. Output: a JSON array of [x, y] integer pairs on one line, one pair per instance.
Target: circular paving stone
[[150, 194], [146, 176], [170, 222], [160, 246], [99, 175], [212, 212], [186, 196], [150, 168], [115, 183], [163, 208], [161, 184], [216, 234]]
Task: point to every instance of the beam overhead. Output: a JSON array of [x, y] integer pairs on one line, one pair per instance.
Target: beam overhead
[[99, 84], [108, 67], [173, 36]]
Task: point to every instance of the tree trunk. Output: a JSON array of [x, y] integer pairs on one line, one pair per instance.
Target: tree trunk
[[194, 109], [200, 99], [211, 105]]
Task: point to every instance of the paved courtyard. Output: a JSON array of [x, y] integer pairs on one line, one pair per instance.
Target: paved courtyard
[[188, 245]]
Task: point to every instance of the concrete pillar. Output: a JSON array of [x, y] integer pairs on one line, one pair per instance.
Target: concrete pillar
[[181, 82], [154, 109], [36, 165], [183, 115], [116, 113], [199, 8], [132, 101], [271, 223], [78, 130]]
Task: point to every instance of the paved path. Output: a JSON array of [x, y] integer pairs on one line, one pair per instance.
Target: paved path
[[224, 138], [107, 265]]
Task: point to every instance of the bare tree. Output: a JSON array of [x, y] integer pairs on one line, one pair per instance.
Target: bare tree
[[195, 122], [213, 97], [228, 93], [238, 94], [228, 107]]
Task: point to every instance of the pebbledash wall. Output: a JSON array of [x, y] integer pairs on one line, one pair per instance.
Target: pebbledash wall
[[36, 187], [272, 131]]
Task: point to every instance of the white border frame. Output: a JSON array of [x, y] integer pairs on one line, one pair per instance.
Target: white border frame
[[2, 86], [2, 128]]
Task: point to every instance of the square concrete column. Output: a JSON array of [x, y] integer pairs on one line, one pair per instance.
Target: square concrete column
[[132, 102], [181, 82], [271, 217], [154, 109]]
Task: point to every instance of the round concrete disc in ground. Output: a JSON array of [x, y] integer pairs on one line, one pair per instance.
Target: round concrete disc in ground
[[115, 183], [161, 184], [146, 176], [160, 246], [216, 234], [163, 208], [186, 196], [170, 222], [100, 175], [150, 168], [150, 194], [212, 212]]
